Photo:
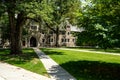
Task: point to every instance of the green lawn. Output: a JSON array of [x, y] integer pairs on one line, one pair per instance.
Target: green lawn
[[87, 66], [28, 60], [97, 49]]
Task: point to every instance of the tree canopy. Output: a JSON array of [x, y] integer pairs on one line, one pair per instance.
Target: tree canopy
[[52, 12], [101, 19], [18, 12]]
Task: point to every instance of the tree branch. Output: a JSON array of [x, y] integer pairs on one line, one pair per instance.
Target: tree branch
[[38, 20]]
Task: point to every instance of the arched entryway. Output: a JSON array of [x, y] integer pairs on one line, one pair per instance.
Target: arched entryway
[[33, 42]]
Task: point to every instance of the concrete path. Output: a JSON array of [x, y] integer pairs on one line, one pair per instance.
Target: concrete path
[[109, 53], [54, 70], [9, 72]]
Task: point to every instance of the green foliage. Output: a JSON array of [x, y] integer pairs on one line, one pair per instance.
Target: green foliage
[[85, 39], [24, 31], [17, 13], [5, 33], [66, 9], [101, 19]]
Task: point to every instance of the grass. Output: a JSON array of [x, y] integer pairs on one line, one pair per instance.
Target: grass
[[28, 60], [87, 66], [97, 49]]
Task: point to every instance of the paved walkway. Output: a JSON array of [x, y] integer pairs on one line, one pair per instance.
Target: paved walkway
[[54, 70], [9, 72], [109, 53]]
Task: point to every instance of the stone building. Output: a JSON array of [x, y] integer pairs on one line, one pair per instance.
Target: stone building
[[39, 36]]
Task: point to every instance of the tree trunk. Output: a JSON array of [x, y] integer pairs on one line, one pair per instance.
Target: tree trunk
[[15, 31], [18, 38], [15, 36], [12, 26], [19, 25], [57, 37]]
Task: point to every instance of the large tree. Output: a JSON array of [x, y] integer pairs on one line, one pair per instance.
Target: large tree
[[62, 10], [18, 12], [52, 12], [101, 20]]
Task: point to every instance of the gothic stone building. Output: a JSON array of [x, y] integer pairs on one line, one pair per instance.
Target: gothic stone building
[[39, 36]]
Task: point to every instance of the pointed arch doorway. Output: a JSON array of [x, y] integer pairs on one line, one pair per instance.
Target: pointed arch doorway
[[33, 42]]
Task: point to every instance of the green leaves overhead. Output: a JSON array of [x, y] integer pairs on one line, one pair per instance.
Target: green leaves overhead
[[65, 9], [101, 18]]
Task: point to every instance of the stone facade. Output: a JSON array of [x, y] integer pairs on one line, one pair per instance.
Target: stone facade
[[40, 37]]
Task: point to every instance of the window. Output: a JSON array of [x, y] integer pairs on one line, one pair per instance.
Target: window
[[43, 33], [62, 40], [73, 40], [43, 40], [68, 33], [65, 40], [23, 43], [48, 40], [68, 40], [51, 40]]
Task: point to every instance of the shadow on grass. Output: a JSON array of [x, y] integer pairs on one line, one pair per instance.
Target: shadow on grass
[[51, 52], [28, 55], [93, 70]]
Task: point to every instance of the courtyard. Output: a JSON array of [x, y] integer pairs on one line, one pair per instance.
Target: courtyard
[[82, 65], [59, 40]]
